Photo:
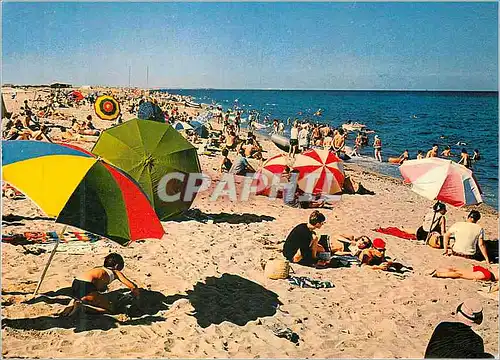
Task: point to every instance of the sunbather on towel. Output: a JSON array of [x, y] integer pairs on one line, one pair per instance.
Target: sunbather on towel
[[376, 259], [87, 288], [348, 245], [475, 272]]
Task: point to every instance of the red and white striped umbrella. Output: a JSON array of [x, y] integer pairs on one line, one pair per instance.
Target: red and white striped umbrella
[[271, 169], [443, 180], [321, 172]]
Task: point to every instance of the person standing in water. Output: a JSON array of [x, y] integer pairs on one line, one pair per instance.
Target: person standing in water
[[377, 145]]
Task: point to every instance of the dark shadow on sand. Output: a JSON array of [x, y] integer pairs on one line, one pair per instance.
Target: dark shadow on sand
[[227, 298], [198, 215], [231, 298], [12, 218], [142, 311]]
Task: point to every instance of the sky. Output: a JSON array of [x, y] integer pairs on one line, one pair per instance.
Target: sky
[[405, 45]]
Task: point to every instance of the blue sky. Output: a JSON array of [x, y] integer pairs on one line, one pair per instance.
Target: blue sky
[[440, 46]]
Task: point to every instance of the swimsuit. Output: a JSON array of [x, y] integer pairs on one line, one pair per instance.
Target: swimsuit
[[487, 274], [110, 273], [81, 288]]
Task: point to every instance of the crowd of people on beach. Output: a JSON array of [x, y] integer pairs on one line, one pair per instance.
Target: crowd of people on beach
[[304, 245]]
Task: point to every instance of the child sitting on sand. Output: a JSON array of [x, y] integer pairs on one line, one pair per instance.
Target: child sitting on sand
[[87, 288]]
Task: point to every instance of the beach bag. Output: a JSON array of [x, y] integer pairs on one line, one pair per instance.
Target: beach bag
[[434, 240], [277, 269]]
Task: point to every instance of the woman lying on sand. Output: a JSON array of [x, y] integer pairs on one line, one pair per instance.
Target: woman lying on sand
[[473, 273], [87, 288]]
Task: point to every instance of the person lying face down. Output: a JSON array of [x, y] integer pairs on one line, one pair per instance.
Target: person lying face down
[[475, 272]]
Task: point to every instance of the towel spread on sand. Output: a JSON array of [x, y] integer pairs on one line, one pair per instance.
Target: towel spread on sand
[[305, 282], [49, 237], [394, 231]]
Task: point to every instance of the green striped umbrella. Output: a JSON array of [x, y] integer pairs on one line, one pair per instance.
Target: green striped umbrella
[[148, 151]]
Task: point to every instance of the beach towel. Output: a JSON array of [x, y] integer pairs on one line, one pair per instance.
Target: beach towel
[[346, 260], [50, 237], [394, 231], [305, 282]]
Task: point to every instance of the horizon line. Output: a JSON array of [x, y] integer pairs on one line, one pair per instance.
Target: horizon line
[[245, 89]]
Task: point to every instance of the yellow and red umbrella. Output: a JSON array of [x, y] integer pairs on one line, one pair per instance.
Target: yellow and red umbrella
[[320, 172], [107, 107], [80, 190], [270, 170]]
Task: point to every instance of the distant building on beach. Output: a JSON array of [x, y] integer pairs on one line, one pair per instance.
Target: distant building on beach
[[60, 85]]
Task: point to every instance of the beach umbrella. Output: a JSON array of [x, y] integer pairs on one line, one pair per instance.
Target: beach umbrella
[[182, 126], [320, 172], [151, 153], [77, 95], [149, 111], [107, 107], [200, 128], [272, 168], [443, 180], [80, 190]]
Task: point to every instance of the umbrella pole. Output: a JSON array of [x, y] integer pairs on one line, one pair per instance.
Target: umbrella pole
[[50, 260], [430, 229]]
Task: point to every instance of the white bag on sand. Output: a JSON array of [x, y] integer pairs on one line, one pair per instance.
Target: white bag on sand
[[277, 269]]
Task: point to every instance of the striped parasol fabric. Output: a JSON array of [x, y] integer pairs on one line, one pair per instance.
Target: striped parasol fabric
[[272, 167], [443, 180], [80, 190], [107, 107], [321, 172]]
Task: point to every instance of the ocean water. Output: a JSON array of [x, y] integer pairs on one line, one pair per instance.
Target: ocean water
[[412, 120]]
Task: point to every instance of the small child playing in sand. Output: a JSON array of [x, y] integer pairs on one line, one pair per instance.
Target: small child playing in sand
[[87, 288]]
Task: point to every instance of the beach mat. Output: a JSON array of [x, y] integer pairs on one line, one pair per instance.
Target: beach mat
[[394, 231], [50, 237]]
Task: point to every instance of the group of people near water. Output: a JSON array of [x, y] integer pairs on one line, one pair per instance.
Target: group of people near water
[[465, 159]]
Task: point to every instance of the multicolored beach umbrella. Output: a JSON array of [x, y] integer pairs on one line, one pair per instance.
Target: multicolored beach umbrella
[[158, 158], [70, 184], [321, 172], [272, 168], [107, 107], [443, 180]]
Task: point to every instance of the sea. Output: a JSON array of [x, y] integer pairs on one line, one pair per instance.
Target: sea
[[413, 120]]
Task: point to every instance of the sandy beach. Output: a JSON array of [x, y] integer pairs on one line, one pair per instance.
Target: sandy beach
[[207, 293]]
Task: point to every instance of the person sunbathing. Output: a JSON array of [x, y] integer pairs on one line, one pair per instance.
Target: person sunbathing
[[475, 272], [40, 134], [87, 289], [348, 245]]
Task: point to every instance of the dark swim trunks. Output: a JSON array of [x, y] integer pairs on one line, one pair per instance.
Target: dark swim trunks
[[82, 288]]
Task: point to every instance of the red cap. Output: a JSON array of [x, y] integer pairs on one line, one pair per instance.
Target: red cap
[[378, 243]]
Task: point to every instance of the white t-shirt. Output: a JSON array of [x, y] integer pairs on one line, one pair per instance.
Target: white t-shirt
[[303, 137], [294, 133], [466, 237]]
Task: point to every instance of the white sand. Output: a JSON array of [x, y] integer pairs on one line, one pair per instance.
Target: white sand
[[367, 314]]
